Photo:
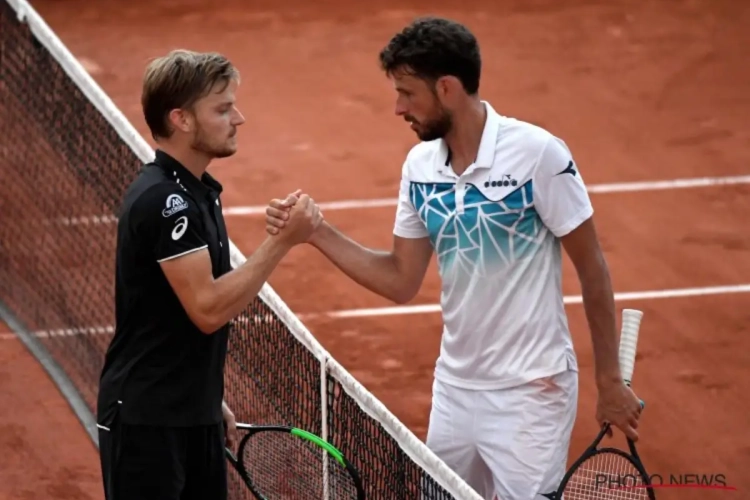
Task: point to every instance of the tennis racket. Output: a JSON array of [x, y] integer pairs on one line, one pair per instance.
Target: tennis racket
[[278, 462], [610, 473]]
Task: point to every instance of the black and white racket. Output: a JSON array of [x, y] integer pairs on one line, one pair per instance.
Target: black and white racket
[[610, 473], [278, 462]]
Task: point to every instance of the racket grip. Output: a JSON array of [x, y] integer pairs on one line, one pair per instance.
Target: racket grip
[[631, 324]]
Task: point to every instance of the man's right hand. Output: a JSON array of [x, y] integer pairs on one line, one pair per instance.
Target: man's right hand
[[277, 212], [294, 219], [396, 274]]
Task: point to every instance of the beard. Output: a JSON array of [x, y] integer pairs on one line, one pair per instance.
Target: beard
[[434, 128], [214, 149]]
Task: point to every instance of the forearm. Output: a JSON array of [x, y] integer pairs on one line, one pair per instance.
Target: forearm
[[599, 305], [378, 271], [231, 293]]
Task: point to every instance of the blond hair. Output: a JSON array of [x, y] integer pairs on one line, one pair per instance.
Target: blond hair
[[176, 81]]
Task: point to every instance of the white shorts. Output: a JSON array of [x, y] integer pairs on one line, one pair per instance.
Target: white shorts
[[509, 444]]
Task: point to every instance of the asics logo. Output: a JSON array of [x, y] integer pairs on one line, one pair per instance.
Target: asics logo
[[180, 227]]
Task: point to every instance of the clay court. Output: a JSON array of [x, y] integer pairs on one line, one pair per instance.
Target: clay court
[[642, 91]]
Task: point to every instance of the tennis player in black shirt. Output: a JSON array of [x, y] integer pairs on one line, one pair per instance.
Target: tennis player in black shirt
[[161, 416]]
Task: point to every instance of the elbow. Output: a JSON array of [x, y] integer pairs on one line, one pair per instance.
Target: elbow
[[210, 323], [402, 298], [594, 271], [206, 319], [404, 287], [207, 325], [403, 295], [596, 282]]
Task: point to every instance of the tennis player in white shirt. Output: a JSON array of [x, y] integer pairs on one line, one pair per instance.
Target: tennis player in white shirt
[[495, 199]]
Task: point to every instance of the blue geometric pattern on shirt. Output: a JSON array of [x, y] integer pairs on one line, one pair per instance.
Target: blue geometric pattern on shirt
[[488, 236]]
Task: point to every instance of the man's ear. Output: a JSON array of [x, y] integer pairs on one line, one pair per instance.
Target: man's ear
[[181, 120], [447, 88]]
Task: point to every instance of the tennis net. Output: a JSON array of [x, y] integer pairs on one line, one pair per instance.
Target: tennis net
[[66, 154]]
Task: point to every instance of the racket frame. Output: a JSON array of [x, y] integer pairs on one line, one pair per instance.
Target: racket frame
[[238, 461], [592, 451], [630, 327]]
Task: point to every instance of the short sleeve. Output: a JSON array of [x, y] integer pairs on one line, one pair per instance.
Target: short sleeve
[[560, 195], [169, 222], [408, 224]]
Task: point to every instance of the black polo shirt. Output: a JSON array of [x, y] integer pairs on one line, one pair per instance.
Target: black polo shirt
[[160, 369]]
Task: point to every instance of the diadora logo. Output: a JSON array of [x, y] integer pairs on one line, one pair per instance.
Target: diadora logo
[[505, 181], [175, 204]]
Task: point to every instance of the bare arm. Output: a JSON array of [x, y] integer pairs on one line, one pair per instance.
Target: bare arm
[[212, 303], [562, 201], [582, 246], [396, 274], [617, 404]]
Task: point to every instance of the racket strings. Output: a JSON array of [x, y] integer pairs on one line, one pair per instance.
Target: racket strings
[[606, 476], [283, 466]]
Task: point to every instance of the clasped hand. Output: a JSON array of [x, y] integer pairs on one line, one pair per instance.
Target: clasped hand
[[294, 218]]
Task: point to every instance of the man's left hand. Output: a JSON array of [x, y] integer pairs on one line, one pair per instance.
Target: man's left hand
[[619, 406], [230, 424]]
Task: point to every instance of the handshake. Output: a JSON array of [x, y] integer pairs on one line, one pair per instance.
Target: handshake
[[293, 219]]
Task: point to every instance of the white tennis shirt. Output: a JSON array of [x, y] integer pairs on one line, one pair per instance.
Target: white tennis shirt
[[495, 231]]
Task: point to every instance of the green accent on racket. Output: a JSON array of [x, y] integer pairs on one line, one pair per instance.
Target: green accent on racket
[[332, 450]]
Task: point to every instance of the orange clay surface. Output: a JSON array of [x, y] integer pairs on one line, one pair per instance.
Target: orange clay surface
[[640, 90]]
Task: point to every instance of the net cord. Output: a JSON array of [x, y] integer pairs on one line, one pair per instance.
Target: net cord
[[409, 443]]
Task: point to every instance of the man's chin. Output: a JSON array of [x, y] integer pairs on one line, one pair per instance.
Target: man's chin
[[224, 153], [428, 136], [425, 135]]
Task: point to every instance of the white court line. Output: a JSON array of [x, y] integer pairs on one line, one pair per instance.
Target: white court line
[[618, 187], [418, 309], [243, 322], [63, 332], [570, 299], [81, 221]]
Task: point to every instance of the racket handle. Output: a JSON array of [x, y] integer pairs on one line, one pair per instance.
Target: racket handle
[[631, 324]]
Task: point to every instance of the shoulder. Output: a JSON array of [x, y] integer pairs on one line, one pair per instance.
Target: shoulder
[[524, 137], [159, 200], [166, 197], [422, 158], [529, 147]]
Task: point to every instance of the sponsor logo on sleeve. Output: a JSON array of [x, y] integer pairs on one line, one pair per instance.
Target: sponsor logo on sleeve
[[179, 228], [570, 169], [175, 204]]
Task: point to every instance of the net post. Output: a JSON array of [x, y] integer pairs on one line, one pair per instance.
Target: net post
[[324, 419]]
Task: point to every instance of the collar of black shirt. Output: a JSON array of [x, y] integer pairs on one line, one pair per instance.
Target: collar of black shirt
[[174, 169]]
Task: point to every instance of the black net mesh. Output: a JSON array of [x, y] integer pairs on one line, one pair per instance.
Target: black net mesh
[[387, 472], [63, 169], [271, 378]]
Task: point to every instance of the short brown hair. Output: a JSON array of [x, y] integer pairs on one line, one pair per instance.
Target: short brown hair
[[176, 81], [431, 47]]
